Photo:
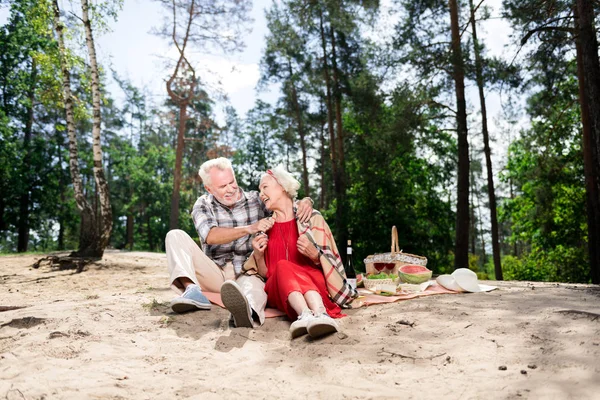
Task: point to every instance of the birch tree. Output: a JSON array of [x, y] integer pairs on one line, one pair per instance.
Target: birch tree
[[88, 233], [95, 230], [106, 222]]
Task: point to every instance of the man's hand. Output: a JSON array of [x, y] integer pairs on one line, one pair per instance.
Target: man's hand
[[259, 244], [308, 249], [262, 225], [305, 209]]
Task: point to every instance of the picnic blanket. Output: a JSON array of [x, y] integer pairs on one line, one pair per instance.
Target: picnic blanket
[[365, 299]]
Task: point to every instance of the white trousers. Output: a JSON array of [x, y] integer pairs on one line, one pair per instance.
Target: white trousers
[[186, 260]]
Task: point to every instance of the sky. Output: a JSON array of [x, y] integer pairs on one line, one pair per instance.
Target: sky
[[135, 53]]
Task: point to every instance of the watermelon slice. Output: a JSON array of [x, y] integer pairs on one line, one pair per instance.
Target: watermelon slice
[[359, 280], [415, 274]]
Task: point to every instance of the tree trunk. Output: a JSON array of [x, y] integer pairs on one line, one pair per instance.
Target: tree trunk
[[182, 102], [332, 152], [63, 183], [340, 209], [174, 220], [130, 222], [2, 211], [23, 230], [149, 232], [61, 234], [479, 228], [473, 230], [588, 70], [129, 228], [515, 249], [461, 253], [481, 236], [486, 149], [106, 220], [322, 202], [301, 133], [88, 236]]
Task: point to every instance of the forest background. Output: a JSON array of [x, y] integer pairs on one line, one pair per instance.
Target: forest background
[[379, 108]]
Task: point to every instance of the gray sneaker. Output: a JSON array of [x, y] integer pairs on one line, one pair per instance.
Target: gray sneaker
[[237, 304], [191, 300]]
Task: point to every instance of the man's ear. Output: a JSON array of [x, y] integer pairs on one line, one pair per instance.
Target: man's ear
[[207, 189]]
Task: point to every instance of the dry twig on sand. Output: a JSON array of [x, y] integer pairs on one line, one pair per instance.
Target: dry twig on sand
[[383, 352]]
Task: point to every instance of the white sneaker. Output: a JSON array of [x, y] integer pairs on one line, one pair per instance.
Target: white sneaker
[[321, 325], [298, 327]]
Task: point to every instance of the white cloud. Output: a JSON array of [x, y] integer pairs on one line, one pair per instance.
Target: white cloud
[[232, 75]]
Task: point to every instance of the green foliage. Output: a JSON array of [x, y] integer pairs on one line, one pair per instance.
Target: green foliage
[[546, 166], [8, 152], [527, 269], [103, 12], [392, 184], [257, 146]]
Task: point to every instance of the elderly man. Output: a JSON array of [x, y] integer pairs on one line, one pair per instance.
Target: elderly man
[[225, 218]]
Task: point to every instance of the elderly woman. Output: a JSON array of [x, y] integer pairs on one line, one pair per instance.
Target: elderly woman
[[295, 258]]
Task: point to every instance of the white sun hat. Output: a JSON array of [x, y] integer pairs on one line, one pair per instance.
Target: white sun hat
[[463, 280], [448, 282]]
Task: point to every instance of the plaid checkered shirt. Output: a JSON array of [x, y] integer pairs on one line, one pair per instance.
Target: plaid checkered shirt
[[208, 213]]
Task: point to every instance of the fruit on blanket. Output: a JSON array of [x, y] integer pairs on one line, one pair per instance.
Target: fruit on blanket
[[386, 290], [382, 275], [359, 280], [414, 274]]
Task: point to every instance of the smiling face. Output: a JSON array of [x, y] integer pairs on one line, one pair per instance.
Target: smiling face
[[271, 192], [223, 186]]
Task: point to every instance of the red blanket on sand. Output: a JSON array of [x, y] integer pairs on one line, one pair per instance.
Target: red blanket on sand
[[366, 298]]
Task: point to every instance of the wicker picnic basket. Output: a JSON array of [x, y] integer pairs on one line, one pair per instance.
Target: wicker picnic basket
[[372, 284], [390, 262]]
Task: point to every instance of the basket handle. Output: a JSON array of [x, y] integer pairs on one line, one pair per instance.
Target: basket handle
[[395, 247]]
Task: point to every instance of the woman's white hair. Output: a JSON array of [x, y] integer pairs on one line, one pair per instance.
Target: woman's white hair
[[285, 179], [221, 163]]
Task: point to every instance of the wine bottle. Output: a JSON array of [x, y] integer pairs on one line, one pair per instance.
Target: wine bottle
[[349, 267]]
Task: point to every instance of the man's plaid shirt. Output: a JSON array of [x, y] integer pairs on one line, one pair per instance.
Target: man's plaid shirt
[[208, 213]]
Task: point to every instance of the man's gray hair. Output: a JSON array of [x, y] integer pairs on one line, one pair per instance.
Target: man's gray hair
[[221, 163], [285, 179]]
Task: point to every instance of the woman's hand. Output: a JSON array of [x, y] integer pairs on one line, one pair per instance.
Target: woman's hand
[[262, 225], [308, 249], [259, 244]]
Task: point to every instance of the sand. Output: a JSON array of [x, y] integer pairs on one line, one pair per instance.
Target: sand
[[107, 333]]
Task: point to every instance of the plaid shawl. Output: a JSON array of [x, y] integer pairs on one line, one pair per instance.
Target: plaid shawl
[[317, 231]]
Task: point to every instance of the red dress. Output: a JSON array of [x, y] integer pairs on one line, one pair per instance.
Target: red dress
[[289, 271]]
